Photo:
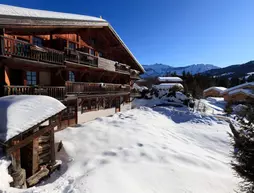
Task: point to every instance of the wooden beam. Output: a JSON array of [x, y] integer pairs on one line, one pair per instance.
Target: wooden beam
[[35, 162], [2, 32], [30, 138], [52, 146]]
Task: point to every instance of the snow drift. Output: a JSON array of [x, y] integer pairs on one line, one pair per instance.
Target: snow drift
[[144, 150]]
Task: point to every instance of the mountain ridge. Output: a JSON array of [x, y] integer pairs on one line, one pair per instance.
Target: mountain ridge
[[159, 69]]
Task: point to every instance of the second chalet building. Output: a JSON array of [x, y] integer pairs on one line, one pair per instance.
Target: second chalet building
[[79, 60]]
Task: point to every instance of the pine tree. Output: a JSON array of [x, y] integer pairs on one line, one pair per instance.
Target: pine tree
[[183, 74]]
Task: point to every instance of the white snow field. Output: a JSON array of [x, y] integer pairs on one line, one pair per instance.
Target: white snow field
[[214, 105], [144, 150]]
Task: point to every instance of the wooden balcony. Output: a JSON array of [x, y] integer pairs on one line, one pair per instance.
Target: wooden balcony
[[21, 49], [95, 88], [53, 91], [79, 57]]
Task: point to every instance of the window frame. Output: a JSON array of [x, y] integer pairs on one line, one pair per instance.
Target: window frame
[[71, 76], [31, 78]]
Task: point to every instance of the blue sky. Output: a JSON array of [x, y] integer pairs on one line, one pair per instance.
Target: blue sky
[[173, 32]]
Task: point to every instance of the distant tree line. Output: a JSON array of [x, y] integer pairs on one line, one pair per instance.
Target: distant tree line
[[196, 84]]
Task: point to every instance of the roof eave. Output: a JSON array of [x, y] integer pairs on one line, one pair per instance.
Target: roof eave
[[126, 48]]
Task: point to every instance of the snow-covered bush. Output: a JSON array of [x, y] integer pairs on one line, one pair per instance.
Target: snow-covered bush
[[167, 96]]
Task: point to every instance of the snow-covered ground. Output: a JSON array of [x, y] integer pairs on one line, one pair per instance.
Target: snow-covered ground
[[162, 150], [214, 105]]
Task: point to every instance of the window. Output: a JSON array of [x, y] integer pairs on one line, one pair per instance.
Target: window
[[71, 76], [92, 52], [37, 41], [92, 41], [72, 45], [31, 78], [100, 54]]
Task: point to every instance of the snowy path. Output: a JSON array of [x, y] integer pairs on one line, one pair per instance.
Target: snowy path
[[145, 151]]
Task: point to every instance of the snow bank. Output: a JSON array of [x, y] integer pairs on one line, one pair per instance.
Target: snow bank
[[21, 112], [6, 179], [26, 12], [214, 105]]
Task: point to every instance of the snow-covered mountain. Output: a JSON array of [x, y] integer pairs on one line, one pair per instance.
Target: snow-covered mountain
[[162, 69]]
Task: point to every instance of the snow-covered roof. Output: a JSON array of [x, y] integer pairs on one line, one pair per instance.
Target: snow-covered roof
[[19, 113], [247, 84], [247, 92], [170, 79], [167, 85], [219, 89], [8, 10]]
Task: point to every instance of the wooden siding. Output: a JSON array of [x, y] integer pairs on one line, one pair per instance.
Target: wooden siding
[[237, 98], [106, 64]]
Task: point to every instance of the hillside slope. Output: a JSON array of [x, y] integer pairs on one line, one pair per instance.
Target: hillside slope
[[233, 70]]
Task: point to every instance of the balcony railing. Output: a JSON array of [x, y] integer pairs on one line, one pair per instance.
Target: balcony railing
[[95, 88], [53, 91], [80, 57], [22, 49]]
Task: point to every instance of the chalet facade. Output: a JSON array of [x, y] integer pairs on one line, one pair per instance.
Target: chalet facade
[[79, 60], [214, 92], [166, 83]]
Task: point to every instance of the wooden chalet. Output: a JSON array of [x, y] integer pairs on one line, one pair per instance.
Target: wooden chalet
[[243, 93], [213, 91], [79, 60], [27, 136]]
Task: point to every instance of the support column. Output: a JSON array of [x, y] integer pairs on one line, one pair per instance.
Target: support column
[[52, 147], [18, 174], [35, 156], [2, 31]]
